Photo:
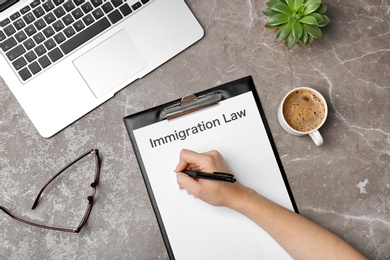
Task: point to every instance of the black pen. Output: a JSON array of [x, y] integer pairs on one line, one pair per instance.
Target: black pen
[[215, 176]]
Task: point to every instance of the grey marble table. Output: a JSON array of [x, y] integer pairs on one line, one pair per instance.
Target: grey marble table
[[343, 185]]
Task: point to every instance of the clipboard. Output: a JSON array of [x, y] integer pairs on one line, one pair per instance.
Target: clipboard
[[192, 229]]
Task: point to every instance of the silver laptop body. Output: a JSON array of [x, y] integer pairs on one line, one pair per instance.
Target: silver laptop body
[[74, 75]]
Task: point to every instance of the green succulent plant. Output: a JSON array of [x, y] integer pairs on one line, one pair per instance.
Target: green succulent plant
[[296, 20]]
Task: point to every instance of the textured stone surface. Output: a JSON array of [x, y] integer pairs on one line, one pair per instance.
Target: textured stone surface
[[343, 185]]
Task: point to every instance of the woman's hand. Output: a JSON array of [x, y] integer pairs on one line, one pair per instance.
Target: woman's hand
[[216, 193]]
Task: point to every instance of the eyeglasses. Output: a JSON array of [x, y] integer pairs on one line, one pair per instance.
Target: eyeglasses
[[89, 198]]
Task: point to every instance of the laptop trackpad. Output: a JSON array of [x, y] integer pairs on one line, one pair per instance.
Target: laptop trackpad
[[110, 63]]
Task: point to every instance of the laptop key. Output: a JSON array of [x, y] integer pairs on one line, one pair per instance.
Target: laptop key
[[38, 12], [35, 3], [69, 31], [116, 3], [34, 67], [78, 25], [59, 12], [115, 16], [49, 44], [48, 31], [68, 19], [28, 44], [25, 9], [4, 22], [30, 30], [49, 18], [38, 38], [48, 5], [19, 63], [97, 13], [44, 61], [20, 36], [125, 9], [58, 2], [77, 13], [40, 24], [14, 16], [107, 7], [2, 36], [9, 30], [78, 2], [40, 50], [19, 24], [15, 52], [29, 18], [87, 7], [8, 44], [85, 35], [69, 6], [88, 19], [55, 54], [58, 25], [59, 37], [25, 74], [30, 56], [136, 6], [96, 3]]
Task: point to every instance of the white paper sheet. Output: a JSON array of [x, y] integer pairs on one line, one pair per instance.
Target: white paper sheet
[[195, 229]]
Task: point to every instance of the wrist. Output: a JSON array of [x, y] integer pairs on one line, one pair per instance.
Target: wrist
[[241, 198]]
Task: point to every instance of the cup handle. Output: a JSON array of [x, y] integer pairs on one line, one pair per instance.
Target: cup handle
[[317, 138]]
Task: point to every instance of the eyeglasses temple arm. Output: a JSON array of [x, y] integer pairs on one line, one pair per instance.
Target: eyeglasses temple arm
[[55, 176]]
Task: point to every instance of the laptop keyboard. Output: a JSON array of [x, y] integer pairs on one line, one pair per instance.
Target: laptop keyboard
[[43, 32]]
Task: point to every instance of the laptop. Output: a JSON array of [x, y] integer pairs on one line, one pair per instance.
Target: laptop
[[63, 58]]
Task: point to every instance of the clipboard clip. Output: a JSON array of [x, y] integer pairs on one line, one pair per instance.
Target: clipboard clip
[[190, 103]]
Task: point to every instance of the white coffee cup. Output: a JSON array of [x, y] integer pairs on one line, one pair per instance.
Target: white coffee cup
[[314, 110]]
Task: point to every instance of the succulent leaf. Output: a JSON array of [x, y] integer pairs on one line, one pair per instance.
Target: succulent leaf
[[269, 12], [313, 30], [305, 37], [273, 2], [283, 32], [290, 41], [309, 20], [310, 8], [277, 19], [271, 27], [282, 8], [310, 40], [319, 18], [298, 3], [322, 9], [300, 9], [290, 4], [297, 30], [327, 20], [312, 2]]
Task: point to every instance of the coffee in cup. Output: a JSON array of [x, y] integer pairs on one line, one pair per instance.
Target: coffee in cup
[[303, 111]]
